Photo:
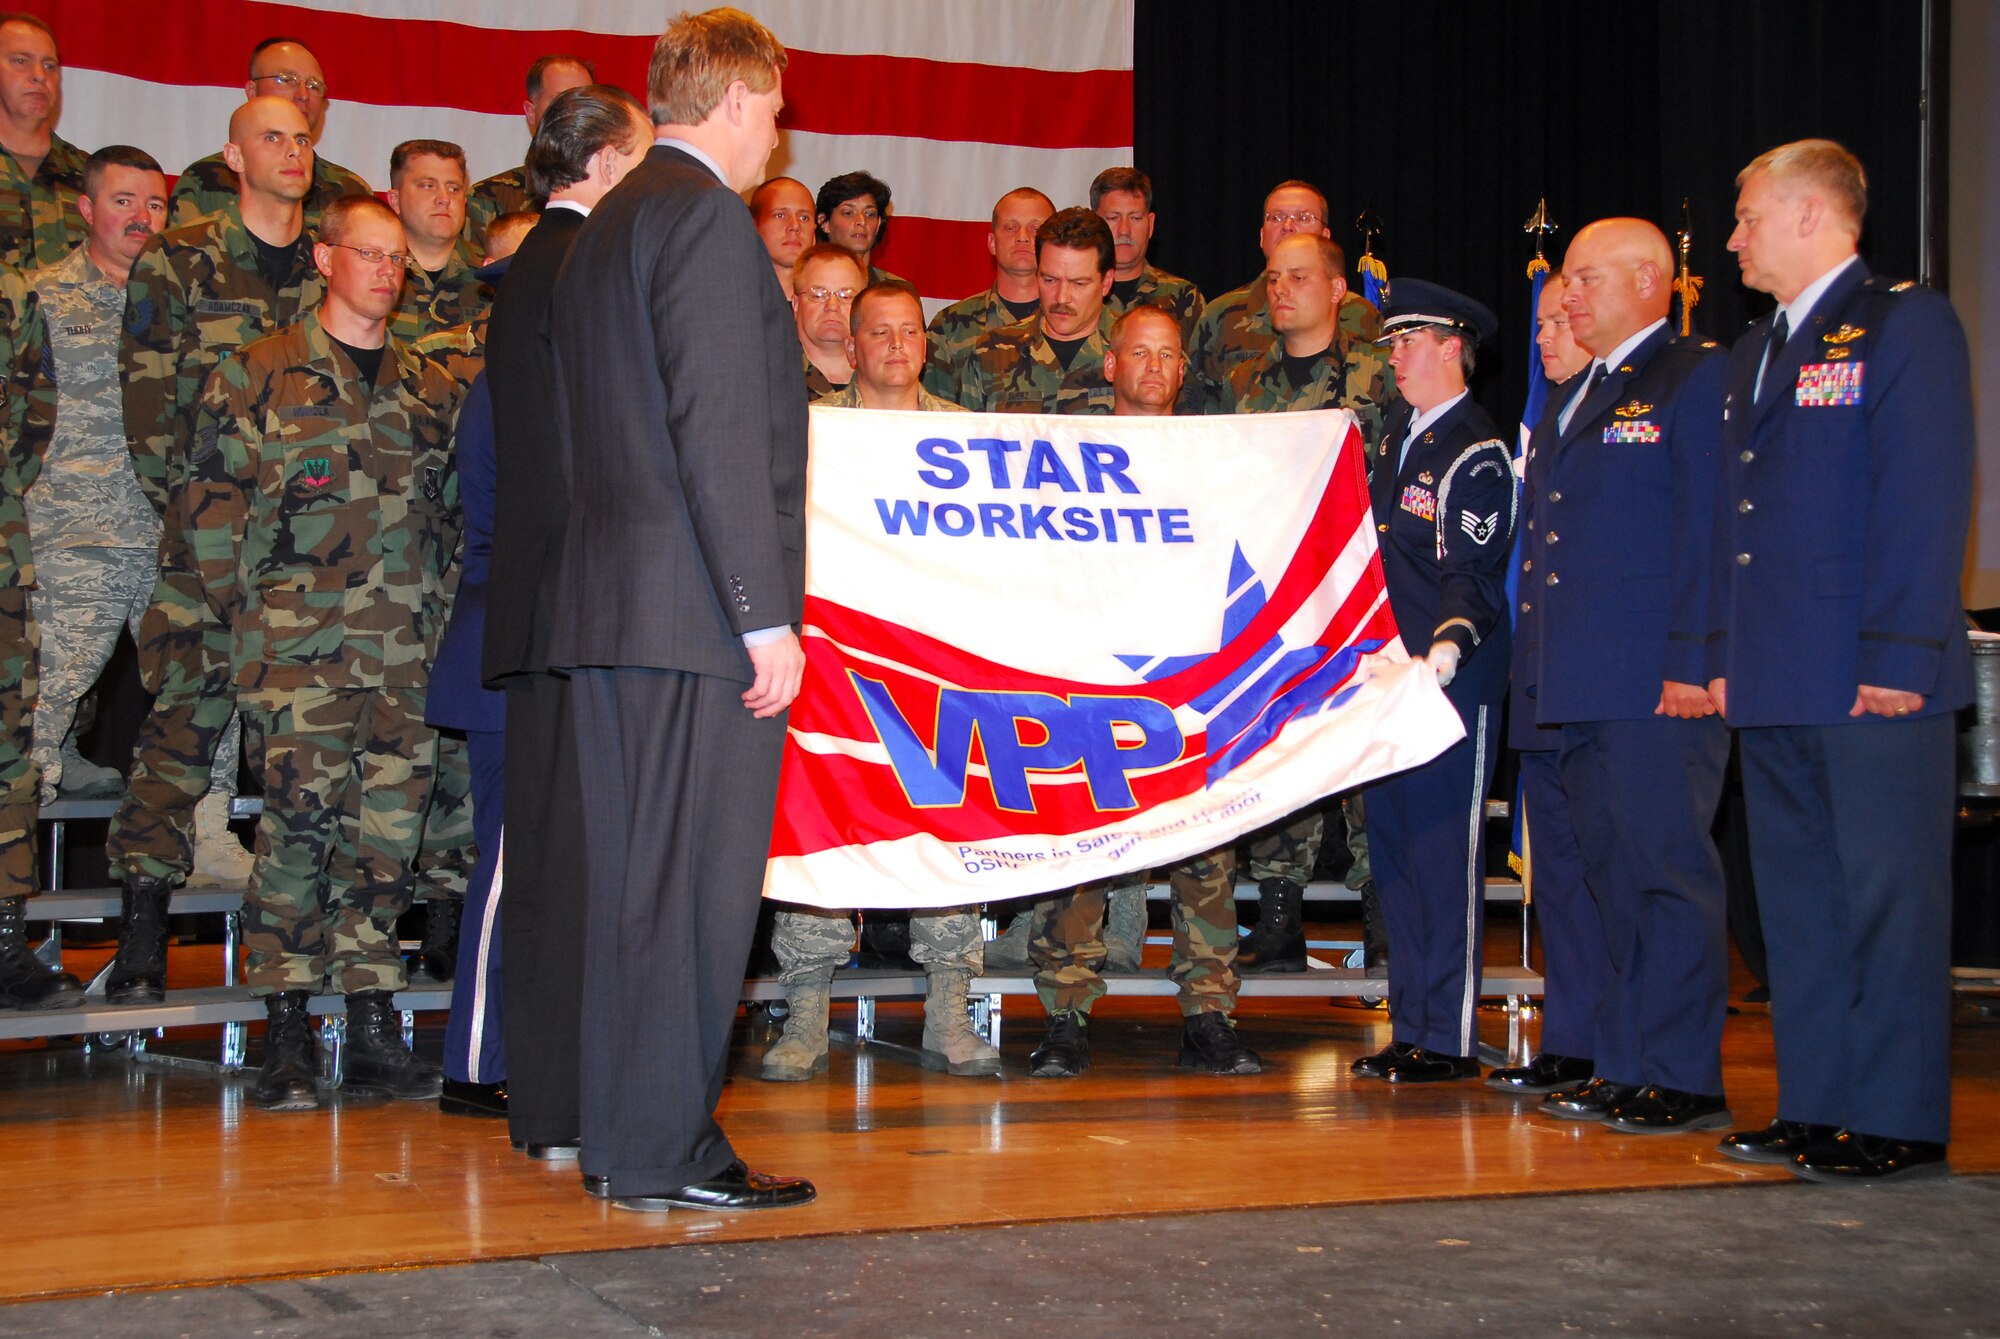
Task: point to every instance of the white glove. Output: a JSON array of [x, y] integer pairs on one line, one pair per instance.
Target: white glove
[[1443, 657]]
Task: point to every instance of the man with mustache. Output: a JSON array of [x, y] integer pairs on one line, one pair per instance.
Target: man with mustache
[[1052, 362], [41, 173]]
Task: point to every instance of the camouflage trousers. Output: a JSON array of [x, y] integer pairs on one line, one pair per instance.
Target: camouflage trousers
[[346, 774], [810, 942], [1068, 947], [83, 597], [1291, 848], [19, 786], [447, 852]]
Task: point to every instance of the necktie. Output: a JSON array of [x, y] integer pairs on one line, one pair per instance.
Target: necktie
[[1781, 330], [1590, 383]]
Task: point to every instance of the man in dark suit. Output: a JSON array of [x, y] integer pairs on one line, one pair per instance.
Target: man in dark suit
[[681, 574], [1444, 503], [1838, 653], [586, 141], [1616, 568]]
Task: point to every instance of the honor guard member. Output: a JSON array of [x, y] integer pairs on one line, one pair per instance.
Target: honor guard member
[[1145, 363], [1839, 656], [41, 173], [1575, 959], [1444, 502], [1053, 362], [96, 538], [1313, 364], [1236, 327], [427, 191], [824, 283], [1123, 198], [27, 414], [1617, 570], [885, 344], [196, 296], [782, 209], [319, 512], [1016, 293], [280, 67], [507, 192], [852, 211]]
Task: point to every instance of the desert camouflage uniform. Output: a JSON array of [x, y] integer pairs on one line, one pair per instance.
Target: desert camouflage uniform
[[1013, 370], [1068, 945], [430, 302], [849, 397], [208, 184], [953, 332], [1236, 328], [502, 193], [1176, 296], [194, 300], [320, 514], [39, 221], [96, 538], [27, 416]]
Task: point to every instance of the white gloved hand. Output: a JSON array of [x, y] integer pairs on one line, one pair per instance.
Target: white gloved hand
[[1443, 657]]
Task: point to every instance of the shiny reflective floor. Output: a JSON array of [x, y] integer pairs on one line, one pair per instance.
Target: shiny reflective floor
[[150, 1175]]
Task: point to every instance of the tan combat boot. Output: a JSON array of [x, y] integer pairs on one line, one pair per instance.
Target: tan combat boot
[[948, 1028], [219, 858], [801, 1052]]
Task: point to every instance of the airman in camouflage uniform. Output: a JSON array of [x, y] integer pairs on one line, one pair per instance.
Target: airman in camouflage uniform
[[320, 512], [507, 192], [1017, 217], [823, 321], [1015, 370], [1123, 198], [27, 417], [41, 174], [427, 191]]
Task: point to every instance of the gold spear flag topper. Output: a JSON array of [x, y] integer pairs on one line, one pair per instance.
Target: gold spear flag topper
[[1539, 226], [1687, 283]]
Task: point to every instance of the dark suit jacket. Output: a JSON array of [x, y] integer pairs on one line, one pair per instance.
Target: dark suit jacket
[[679, 397], [1845, 503], [531, 483]]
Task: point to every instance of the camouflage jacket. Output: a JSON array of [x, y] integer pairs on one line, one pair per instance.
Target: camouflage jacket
[[502, 193], [195, 298], [207, 184], [88, 495], [1236, 328], [1013, 370], [1352, 374], [27, 417], [321, 512], [849, 397], [430, 302], [953, 331], [460, 350], [39, 220], [818, 384], [1169, 292]]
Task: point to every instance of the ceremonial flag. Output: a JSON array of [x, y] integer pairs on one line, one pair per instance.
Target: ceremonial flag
[[952, 104], [1047, 649], [1531, 413]]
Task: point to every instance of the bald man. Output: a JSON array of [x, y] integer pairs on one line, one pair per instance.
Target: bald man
[[1615, 563]]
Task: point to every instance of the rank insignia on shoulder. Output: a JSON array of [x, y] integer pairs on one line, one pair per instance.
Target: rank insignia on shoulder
[[1903, 287], [1632, 410], [1425, 478], [1829, 385], [1847, 334]]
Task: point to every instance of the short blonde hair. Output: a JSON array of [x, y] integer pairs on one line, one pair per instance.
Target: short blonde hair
[[700, 55], [1821, 163]]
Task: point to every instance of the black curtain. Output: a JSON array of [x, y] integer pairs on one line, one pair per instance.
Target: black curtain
[[1449, 120]]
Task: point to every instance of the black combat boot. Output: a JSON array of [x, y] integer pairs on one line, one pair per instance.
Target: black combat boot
[[439, 955], [26, 982], [1374, 933], [1277, 942], [291, 1058], [139, 972], [377, 1061]]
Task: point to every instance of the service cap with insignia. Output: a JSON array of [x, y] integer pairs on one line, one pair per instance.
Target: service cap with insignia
[[1415, 303]]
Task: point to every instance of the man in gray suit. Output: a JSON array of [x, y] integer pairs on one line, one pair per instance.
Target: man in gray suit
[[682, 573]]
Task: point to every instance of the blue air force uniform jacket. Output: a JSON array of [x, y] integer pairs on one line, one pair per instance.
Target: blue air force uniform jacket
[[1845, 503], [1615, 559]]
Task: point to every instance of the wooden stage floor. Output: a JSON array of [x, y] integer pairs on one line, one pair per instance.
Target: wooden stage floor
[[154, 1176]]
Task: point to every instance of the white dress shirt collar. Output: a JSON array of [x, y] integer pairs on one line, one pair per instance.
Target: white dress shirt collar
[[694, 152], [1799, 308]]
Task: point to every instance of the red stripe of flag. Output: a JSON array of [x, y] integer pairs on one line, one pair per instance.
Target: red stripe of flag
[[427, 62], [944, 258]]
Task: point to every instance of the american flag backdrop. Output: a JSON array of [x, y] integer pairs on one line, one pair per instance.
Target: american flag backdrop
[[952, 102]]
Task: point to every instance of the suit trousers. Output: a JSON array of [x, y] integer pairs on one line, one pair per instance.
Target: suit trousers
[[1643, 795], [680, 785], [1575, 961], [541, 936], [474, 1037], [1850, 839]]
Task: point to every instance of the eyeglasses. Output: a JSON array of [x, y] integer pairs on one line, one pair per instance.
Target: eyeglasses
[[1304, 218], [818, 294], [292, 82], [375, 257]]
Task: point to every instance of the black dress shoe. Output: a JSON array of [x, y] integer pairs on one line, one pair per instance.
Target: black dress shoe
[[1065, 1049], [1853, 1159], [563, 1152], [736, 1188], [1209, 1043], [1421, 1066], [1377, 1065], [1586, 1101], [1657, 1110], [1778, 1143], [461, 1098], [597, 1187], [1544, 1074]]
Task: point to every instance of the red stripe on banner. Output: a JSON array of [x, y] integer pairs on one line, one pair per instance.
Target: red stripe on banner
[[944, 258], [427, 62]]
